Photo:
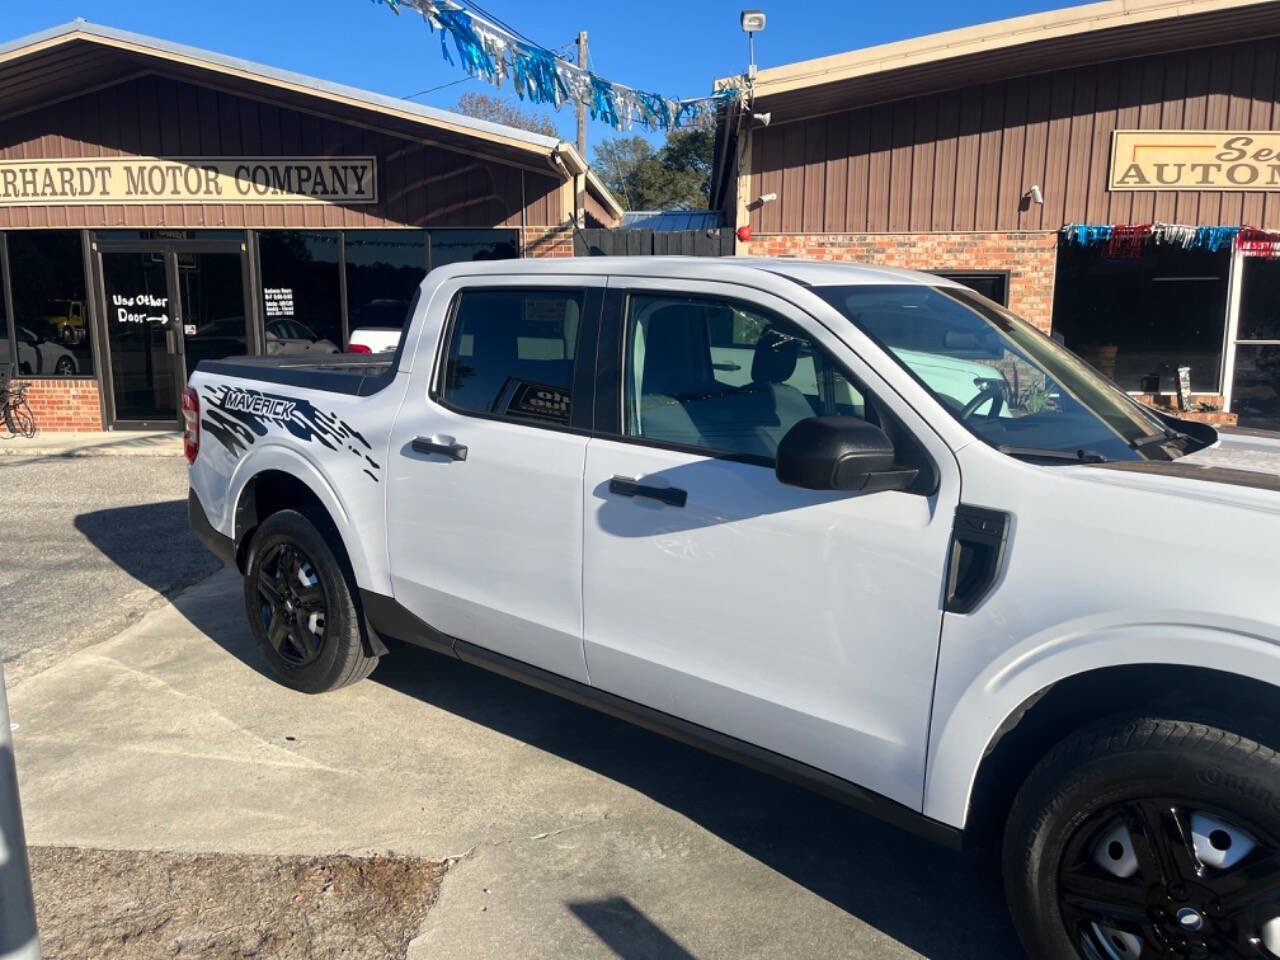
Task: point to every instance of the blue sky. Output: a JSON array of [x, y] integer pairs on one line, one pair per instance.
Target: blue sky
[[672, 47]]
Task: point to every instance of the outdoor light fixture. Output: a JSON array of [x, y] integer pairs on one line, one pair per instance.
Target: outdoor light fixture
[[1035, 195], [762, 118], [752, 22], [767, 198]]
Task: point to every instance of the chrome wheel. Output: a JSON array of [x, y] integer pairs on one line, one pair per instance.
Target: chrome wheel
[[293, 607], [1171, 879]]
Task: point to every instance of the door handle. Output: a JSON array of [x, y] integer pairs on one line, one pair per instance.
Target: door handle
[[626, 487], [454, 451]]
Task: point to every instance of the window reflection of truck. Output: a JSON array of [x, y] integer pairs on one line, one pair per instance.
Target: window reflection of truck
[[66, 318]]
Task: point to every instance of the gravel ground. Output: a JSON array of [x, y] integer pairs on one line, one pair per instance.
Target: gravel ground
[[118, 905], [97, 541]]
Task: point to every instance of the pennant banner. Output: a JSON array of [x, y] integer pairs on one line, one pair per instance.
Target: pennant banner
[[487, 50], [1127, 240]]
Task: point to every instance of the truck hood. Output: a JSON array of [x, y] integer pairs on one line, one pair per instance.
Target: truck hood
[[1243, 466]]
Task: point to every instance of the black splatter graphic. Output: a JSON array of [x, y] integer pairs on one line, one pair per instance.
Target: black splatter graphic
[[236, 426]]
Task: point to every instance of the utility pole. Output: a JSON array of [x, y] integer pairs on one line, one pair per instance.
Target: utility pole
[[582, 107], [18, 939]]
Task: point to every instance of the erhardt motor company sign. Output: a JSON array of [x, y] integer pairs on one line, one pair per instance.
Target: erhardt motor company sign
[[189, 180], [1195, 160]]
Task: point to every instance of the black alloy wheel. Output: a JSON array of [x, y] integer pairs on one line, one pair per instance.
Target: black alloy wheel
[[1152, 838], [294, 610], [1169, 877]]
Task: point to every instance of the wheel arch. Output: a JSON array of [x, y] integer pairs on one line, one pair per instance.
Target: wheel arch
[[1059, 709]]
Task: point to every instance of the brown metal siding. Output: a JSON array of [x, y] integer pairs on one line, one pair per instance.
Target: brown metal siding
[[963, 159], [419, 185]]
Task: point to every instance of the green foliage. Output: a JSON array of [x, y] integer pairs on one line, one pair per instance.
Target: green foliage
[[496, 110], [676, 177]]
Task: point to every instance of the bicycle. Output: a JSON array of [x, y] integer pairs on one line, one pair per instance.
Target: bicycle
[[17, 415]]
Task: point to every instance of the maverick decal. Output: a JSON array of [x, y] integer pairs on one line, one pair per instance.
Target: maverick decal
[[237, 416]]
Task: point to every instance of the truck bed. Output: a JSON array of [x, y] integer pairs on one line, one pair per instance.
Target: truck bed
[[350, 373]]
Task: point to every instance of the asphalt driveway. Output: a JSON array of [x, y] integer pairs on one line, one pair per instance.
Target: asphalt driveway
[[88, 545], [565, 833]]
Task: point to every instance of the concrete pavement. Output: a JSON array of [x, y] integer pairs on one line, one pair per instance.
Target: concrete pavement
[[569, 834]]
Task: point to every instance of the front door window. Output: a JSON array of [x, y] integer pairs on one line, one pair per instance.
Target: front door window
[[213, 319], [166, 309], [142, 338]]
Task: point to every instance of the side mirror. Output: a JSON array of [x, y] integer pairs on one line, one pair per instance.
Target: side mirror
[[840, 453]]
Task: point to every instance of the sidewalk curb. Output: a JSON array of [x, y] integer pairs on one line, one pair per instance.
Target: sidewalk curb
[[80, 445]]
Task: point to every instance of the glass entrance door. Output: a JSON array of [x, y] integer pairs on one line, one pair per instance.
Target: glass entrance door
[[143, 339], [1255, 382], [167, 306]]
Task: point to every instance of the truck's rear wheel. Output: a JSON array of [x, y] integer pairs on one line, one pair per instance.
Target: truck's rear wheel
[[301, 607], [1151, 838]]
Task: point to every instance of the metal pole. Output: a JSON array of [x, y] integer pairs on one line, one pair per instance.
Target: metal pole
[[18, 940], [582, 107]]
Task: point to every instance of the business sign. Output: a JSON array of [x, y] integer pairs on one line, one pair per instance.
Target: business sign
[[131, 180], [1195, 160]]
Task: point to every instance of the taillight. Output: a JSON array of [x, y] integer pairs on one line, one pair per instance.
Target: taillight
[[190, 424], [358, 348]]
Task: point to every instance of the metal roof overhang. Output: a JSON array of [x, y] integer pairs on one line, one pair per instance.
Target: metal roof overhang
[[77, 58], [818, 87]]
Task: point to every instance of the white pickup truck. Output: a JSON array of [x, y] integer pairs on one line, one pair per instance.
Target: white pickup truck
[[856, 526]]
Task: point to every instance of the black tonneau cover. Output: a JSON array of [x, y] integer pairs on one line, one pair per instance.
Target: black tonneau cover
[[352, 373]]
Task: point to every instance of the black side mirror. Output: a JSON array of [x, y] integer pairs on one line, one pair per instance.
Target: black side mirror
[[840, 453]]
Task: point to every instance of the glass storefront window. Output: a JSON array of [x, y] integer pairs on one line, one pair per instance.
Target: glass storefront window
[[455, 246], [1255, 391], [1138, 319], [384, 268], [1260, 300], [51, 316], [300, 285]]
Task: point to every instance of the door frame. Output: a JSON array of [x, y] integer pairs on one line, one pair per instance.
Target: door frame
[[169, 249]]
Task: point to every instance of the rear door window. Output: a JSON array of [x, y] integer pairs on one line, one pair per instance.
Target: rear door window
[[511, 354]]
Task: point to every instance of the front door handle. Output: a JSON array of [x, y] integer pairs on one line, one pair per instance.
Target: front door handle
[[626, 487], [454, 451]]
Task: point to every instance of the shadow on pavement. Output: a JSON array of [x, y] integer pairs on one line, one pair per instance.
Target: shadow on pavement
[[151, 542], [942, 904], [626, 931]]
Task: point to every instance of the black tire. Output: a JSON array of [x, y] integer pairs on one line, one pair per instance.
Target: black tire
[[1146, 777], [318, 662]]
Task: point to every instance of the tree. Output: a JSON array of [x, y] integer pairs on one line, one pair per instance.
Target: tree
[[676, 177], [496, 110]]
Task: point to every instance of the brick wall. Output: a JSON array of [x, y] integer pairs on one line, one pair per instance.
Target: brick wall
[[65, 405], [549, 241], [1030, 258]]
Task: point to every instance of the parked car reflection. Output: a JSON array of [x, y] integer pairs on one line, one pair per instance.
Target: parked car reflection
[[39, 355], [290, 336]]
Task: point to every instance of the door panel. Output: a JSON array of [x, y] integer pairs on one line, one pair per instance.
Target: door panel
[[800, 621], [486, 544], [142, 337]]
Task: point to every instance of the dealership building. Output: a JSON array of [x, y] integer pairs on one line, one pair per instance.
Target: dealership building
[[1111, 172], [160, 205]]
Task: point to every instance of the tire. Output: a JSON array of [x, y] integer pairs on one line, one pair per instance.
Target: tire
[[298, 654], [64, 367], [1151, 837]]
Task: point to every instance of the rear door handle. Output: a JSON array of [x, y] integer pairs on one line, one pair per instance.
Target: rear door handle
[[454, 451], [626, 487]]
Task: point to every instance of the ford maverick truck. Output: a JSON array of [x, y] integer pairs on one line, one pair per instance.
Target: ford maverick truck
[[855, 526]]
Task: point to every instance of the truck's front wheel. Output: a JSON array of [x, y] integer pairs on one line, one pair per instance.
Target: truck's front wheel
[[300, 605], [1149, 838]]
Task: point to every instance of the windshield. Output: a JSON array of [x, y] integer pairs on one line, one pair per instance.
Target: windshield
[[1007, 382]]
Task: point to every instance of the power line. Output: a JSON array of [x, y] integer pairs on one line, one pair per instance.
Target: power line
[[501, 23], [451, 83]]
